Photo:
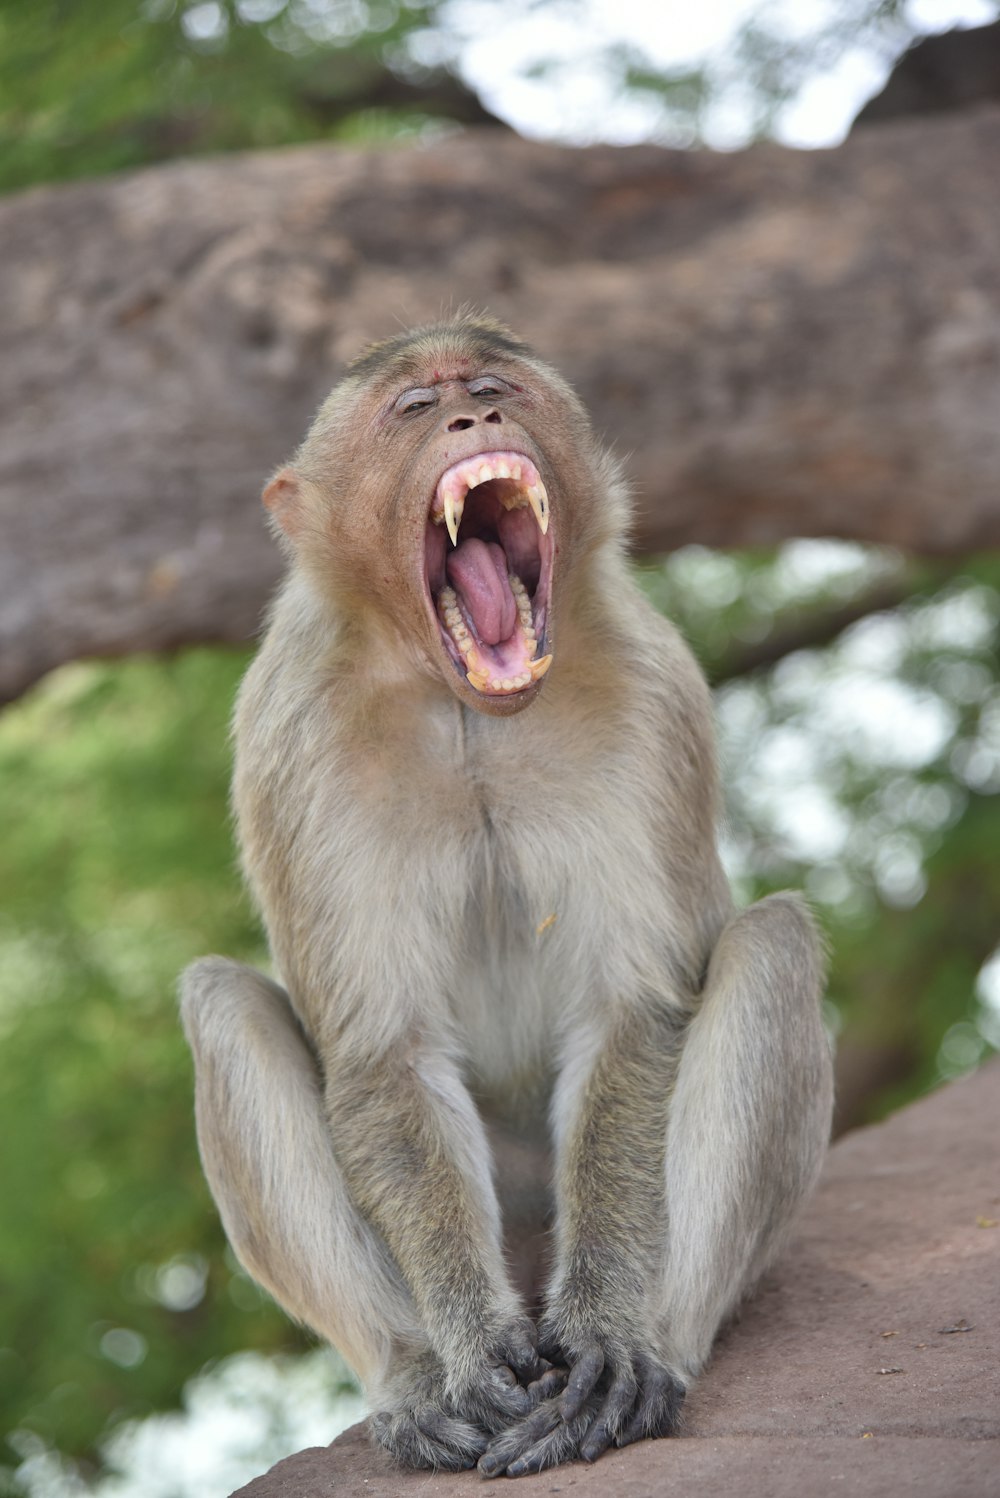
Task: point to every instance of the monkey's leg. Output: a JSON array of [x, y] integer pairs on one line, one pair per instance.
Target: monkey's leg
[[269, 1159], [745, 1123], [749, 1121]]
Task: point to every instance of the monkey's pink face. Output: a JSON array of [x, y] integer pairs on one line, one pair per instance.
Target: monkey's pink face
[[488, 551]]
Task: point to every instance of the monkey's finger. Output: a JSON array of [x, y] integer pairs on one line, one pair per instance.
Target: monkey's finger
[[658, 1410], [583, 1375], [512, 1444], [552, 1382], [506, 1394], [560, 1445], [612, 1415], [520, 1350], [455, 1436]]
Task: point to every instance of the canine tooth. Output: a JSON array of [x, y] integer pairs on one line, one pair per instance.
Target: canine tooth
[[453, 514], [539, 668], [539, 502]]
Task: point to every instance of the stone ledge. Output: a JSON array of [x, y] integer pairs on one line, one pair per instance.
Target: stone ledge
[[840, 1376]]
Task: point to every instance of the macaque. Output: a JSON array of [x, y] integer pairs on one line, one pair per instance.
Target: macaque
[[531, 1106]]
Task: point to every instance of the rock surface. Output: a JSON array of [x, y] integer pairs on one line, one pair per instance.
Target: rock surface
[[867, 1363]]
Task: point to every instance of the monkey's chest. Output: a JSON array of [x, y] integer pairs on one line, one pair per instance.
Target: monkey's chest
[[531, 962]]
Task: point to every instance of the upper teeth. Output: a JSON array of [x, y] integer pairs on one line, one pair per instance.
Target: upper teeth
[[449, 500]]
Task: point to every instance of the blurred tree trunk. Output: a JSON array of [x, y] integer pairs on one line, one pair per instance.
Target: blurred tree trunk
[[782, 343]]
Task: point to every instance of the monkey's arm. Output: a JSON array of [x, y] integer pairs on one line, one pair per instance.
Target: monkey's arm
[[416, 1159], [610, 1198]]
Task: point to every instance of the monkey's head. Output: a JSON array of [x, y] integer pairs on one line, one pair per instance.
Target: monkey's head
[[444, 489]]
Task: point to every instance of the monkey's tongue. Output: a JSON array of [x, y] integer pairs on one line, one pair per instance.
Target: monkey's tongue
[[477, 570]]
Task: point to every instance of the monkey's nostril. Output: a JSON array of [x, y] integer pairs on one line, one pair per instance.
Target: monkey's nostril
[[493, 416], [461, 423]]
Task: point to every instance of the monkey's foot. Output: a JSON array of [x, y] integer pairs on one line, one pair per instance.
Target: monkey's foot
[[599, 1408], [492, 590], [427, 1436], [419, 1426]]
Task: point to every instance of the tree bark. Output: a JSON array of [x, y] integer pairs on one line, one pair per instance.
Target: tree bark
[[782, 343]]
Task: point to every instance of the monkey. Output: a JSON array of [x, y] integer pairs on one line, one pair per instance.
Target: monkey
[[532, 1105]]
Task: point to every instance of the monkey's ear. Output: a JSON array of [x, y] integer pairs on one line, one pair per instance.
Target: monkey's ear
[[283, 497]]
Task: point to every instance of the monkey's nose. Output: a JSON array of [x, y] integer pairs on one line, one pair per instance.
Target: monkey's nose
[[470, 419]]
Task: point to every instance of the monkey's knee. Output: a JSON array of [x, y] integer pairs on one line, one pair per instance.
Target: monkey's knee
[[773, 946], [219, 996]]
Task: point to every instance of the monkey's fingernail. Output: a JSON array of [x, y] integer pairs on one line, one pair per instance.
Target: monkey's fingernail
[[539, 668], [539, 502], [453, 509]]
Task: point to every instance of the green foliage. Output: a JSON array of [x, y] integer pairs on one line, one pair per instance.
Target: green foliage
[[89, 89], [116, 869]]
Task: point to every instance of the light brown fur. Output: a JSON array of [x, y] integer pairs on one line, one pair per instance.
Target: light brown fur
[[515, 994]]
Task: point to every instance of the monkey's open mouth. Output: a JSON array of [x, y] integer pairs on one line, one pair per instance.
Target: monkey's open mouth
[[491, 584]]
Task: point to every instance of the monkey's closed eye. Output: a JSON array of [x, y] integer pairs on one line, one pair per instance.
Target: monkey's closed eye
[[415, 400], [488, 385]]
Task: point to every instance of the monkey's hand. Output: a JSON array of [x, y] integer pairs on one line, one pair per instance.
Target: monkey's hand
[[614, 1395], [487, 1380], [433, 1418]]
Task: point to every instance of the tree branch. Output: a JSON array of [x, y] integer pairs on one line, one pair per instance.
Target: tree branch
[[812, 630], [784, 343]]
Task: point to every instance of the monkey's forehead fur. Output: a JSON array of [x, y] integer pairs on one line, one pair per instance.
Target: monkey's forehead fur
[[482, 337]]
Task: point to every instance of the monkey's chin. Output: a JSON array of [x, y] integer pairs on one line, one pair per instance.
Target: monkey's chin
[[491, 587]]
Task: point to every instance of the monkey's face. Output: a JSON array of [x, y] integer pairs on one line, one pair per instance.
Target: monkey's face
[[441, 490]]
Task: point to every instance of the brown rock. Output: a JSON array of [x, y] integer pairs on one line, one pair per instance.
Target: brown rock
[[848, 1373]]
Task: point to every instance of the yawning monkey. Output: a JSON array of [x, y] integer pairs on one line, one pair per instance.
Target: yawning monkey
[[532, 1106]]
